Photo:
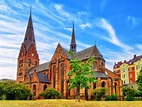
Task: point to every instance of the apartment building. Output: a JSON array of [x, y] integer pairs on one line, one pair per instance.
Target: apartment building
[[128, 70]]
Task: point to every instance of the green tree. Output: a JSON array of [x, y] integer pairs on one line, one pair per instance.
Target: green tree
[[81, 74], [139, 81]]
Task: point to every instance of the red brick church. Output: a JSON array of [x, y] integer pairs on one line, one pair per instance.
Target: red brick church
[[54, 73]]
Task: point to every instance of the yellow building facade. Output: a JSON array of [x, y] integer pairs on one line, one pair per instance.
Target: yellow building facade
[[128, 71]]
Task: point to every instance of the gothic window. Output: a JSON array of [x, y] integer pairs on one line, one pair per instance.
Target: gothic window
[[34, 90], [35, 63], [103, 84], [20, 74], [54, 76], [86, 94], [94, 85], [62, 79], [95, 66], [44, 87]]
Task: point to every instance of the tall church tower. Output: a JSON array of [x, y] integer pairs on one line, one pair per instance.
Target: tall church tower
[[73, 42], [28, 56]]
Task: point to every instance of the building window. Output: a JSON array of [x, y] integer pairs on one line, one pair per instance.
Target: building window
[[138, 67], [34, 90], [44, 87], [130, 69], [130, 75], [123, 69], [54, 76], [137, 73], [103, 84], [62, 79], [94, 85], [35, 63], [124, 81], [116, 72], [20, 74], [131, 81], [123, 76]]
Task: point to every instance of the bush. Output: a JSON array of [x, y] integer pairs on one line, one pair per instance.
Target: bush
[[113, 97], [98, 93], [50, 93], [128, 93]]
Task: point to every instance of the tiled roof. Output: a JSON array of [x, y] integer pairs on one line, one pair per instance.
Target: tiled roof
[[99, 74], [89, 52], [86, 53], [43, 77], [67, 53], [29, 36], [135, 58], [40, 67]]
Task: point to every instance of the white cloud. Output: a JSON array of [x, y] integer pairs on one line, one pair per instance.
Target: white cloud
[[83, 26], [69, 29]]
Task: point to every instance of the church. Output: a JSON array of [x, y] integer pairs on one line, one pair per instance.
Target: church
[[54, 72]]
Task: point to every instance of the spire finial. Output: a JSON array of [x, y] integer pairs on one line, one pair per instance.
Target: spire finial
[[94, 43], [30, 10]]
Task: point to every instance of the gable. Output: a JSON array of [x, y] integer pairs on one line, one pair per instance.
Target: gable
[[59, 53]]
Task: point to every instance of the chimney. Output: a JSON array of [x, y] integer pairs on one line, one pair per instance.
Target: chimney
[[124, 61], [135, 56]]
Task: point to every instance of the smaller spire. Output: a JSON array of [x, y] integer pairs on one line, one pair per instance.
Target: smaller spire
[[73, 42]]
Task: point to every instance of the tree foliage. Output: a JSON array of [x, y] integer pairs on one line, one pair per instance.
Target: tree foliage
[[139, 81], [11, 90], [98, 93], [128, 93], [81, 74], [50, 93]]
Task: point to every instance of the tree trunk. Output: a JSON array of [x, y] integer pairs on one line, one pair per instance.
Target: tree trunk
[[78, 92]]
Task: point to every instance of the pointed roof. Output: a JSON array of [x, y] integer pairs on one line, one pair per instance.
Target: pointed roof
[[73, 36], [29, 36]]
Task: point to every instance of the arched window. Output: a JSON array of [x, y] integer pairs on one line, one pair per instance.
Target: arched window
[[54, 76], [62, 78], [94, 85], [86, 94], [44, 87], [115, 85], [103, 84], [34, 90], [35, 63]]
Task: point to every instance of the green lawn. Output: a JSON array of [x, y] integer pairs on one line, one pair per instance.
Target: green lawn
[[69, 103]]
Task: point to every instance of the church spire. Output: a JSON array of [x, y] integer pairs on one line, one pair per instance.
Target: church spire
[[73, 42], [29, 36]]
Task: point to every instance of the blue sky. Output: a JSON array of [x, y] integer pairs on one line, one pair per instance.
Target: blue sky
[[115, 26]]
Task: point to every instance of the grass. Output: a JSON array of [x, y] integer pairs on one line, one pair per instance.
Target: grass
[[69, 103]]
